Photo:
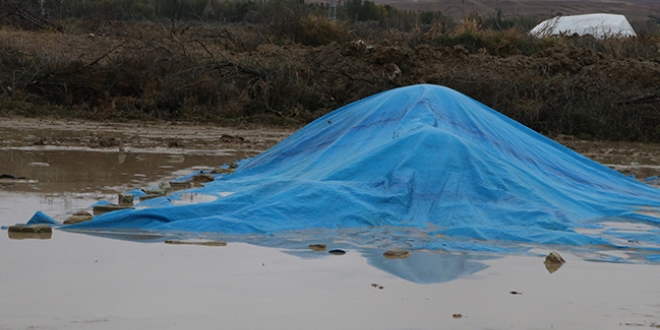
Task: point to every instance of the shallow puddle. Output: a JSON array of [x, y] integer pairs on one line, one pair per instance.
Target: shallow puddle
[[78, 281], [85, 170]]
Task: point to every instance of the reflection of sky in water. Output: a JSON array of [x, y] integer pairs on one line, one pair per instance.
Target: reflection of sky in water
[[427, 267], [78, 281], [73, 175], [419, 267]]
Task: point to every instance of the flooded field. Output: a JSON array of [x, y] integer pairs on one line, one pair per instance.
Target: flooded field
[[77, 281]]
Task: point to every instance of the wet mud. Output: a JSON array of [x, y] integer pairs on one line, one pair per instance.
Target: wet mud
[[166, 137]]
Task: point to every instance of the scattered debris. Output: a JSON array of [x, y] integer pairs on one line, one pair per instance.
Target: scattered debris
[[38, 164], [337, 252], [377, 286], [457, 315], [38, 231], [396, 254], [80, 216], [553, 262], [317, 247], [203, 243]]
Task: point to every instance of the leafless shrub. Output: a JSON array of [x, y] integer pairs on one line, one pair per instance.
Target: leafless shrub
[[239, 73]]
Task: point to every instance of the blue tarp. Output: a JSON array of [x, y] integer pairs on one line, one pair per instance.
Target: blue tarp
[[422, 159]]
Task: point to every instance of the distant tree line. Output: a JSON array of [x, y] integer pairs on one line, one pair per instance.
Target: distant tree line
[[358, 12], [230, 11]]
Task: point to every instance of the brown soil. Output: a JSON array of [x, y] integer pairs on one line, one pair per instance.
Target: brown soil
[[16, 132], [640, 159]]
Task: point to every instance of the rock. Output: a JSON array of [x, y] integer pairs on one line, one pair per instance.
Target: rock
[[554, 257], [80, 216], [38, 231], [202, 178], [100, 209], [396, 254], [126, 199], [181, 185], [38, 228], [165, 186], [163, 189], [220, 170], [317, 247], [151, 195], [553, 261]]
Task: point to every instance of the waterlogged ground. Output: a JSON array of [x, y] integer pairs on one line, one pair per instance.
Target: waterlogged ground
[[77, 281]]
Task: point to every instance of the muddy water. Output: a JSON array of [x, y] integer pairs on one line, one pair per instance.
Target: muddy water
[[79, 171], [75, 281]]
